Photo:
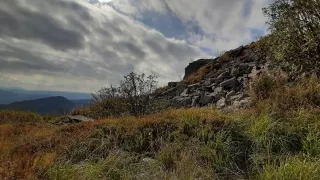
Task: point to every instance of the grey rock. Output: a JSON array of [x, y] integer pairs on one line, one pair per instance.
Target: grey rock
[[170, 92], [195, 101], [222, 76], [230, 83], [244, 103], [198, 93], [181, 86], [185, 93], [78, 119], [183, 101], [218, 90], [207, 88], [206, 99], [243, 66], [221, 103], [196, 85], [208, 82], [231, 93], [214, 85]]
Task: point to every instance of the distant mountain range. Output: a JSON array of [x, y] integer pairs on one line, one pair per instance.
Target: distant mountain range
[[56, 105], [8, 96], [43, 102]]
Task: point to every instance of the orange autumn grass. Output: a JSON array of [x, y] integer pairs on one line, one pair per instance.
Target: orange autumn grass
[[28, 149]]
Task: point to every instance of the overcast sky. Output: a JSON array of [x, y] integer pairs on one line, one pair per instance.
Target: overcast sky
[[86, 44]]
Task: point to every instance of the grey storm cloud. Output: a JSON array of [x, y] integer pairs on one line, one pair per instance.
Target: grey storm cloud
[[66, 43], [19, 22], [212, 24]]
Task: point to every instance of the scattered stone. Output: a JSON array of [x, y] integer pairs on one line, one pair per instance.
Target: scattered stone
[[221, 103]]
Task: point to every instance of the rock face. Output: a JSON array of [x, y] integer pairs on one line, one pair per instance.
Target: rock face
[[223, 86], [194, 66]]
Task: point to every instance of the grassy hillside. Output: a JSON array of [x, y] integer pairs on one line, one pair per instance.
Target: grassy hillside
[[278, 138]]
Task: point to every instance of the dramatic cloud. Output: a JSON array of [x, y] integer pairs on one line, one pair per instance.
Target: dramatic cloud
[[81, 45], [214, 25], [77, 46]]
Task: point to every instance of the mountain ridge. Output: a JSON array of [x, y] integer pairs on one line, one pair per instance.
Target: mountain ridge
[[55, 105]]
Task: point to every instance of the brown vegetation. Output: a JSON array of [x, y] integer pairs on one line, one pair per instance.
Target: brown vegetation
[[199, 75]]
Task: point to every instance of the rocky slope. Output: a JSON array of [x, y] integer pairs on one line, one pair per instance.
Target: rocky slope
[[220, 82]]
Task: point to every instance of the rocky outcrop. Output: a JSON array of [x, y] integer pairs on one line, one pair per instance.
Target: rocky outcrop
[[224, 86], [194, 66]]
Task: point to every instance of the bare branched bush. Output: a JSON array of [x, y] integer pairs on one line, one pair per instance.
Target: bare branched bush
[[132, 96]]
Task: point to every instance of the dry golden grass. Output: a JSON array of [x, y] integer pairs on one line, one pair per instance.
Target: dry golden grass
[[28, 150]]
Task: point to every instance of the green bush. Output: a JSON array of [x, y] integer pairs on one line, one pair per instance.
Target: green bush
[[291, 169], [295, 38]]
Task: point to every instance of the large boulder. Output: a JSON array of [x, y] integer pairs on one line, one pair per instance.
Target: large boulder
[[194, 66], [230, 83], [207, 98]]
